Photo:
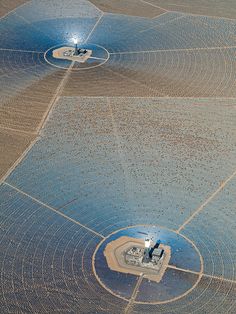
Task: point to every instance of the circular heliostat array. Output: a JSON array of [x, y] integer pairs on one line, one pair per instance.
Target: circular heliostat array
[[117, 119]]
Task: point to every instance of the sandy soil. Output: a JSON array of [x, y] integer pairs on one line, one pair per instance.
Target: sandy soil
[[133, 7], [26, 109], [106, 82], [12, 145], [220, 8], [23, 113], [194, 74], [9, 5]]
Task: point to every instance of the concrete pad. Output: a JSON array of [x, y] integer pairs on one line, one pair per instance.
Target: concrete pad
[[114, 253]]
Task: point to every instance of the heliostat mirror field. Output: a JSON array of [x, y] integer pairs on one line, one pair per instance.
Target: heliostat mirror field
[[139, 139]]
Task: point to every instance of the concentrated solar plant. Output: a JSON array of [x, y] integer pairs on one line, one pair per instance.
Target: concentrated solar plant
[[117, 128]]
